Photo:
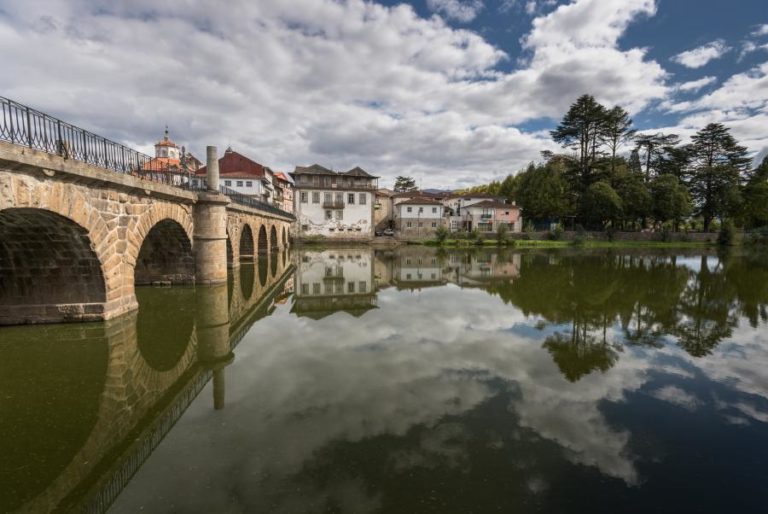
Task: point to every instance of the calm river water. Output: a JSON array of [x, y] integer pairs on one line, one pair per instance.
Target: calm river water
[[404, 381]]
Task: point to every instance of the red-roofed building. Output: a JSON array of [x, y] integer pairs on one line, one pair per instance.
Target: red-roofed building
[[243, 175], [171, 164]]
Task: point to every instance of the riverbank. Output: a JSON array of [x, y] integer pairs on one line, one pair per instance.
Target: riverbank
[[544, 243]]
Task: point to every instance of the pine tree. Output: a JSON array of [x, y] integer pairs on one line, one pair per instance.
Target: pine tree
[[615, 131]]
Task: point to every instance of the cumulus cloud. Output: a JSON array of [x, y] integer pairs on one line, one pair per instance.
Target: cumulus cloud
[[459, 10], [701, 55], [762, 30]]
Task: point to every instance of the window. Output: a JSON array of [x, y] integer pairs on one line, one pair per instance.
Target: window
[[194, 182], [303, 197], [239, 183], [304, 288], [248, 183], [350, 287], [434, 224], [339, 215], [363, 199], [409, 209], [408, 276], [351, 198], [315, 197], [329, 215], [339, 198], [339, 287], [316, 288], [227, 182], [327, 198], [304, 228], [328, 288], [421, 224], [362, 287], [434, 210], [408, 224]]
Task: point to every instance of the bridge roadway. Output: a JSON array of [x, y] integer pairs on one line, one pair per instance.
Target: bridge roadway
[[76, 238]]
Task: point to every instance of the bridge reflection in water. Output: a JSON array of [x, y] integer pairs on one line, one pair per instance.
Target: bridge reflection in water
[[84, 405]]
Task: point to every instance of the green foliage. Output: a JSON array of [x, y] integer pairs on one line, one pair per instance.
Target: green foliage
[[670, 199], [543, 192], [502, 234], [556, 234], [405, 184], [601, 203], [727, 235], [441, 234]]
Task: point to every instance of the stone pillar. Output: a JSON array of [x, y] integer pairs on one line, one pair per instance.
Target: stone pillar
[[210, 232], [212, 325], [212, 168]]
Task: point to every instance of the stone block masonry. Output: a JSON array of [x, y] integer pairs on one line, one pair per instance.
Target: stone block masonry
[[76, 239]]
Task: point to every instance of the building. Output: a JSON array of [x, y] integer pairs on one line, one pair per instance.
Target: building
[[334, 280], [383, 212], [242, 175], [488, 215], [283, 192], [171, 164], [418, 217], [334, 204], [483, 212]]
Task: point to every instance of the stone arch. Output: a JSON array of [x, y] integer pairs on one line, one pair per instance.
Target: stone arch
[[138, 231], [165, 255], [49, 268], [263, 243], [247, 250], [230, 253], [273, 244]]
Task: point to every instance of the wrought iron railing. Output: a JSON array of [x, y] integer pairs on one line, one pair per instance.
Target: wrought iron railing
[[28, 127]]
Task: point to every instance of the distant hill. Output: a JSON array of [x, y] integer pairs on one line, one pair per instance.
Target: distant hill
[[437, 191]]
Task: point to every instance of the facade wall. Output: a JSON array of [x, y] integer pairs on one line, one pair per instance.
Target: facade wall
[[383, 213], [336, 219]]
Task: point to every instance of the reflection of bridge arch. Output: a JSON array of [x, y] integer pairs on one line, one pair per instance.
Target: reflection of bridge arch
[[273, 244], [246, 246], [263, 243], [47, 258], [162, 343]]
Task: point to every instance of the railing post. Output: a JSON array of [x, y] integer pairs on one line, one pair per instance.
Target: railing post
[[85, 148], [10, 121], [60, 149], [106, 155], [29, 130]]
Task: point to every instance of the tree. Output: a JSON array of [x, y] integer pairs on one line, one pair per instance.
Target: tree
[[654, 146], [543, 192], [615, 131], [602, 203], [581, 129], [755, 208], [634, 162], [718, 164], [635, 197], [405, 185], [671, 201]]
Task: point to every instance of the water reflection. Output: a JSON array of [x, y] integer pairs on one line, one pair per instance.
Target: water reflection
[[421, 380]]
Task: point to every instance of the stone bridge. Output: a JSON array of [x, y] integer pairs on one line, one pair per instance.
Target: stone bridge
[[76, 238]]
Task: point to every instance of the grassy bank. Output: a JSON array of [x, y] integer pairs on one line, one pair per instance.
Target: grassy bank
[[546, 243]]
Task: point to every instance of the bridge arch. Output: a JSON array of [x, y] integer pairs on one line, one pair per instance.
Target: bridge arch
[[230, 252], [49, 267], [263, 243], [247, 250], [273, 244], [165, 255]]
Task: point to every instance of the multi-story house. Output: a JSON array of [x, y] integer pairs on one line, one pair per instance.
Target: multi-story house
[[334, 204], [418, 217], [483, 212], [383, 212], [171, 164], [334, 280], [417, 267], [283, 192], [242, 175]]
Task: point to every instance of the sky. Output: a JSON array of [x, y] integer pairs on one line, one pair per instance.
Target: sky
[[452, 92]]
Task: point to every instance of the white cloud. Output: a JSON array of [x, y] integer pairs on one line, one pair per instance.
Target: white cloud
[[762, 30], [677, 396], [700, 56], [459, 10], [695, 85], [343, 83]]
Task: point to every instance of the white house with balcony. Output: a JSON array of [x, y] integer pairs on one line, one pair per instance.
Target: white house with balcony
[[418, 217]]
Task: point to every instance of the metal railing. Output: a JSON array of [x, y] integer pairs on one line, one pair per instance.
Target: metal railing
[[22, 125]]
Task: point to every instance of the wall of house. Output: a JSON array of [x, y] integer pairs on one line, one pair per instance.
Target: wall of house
[[337, 272], [352, 221], [383, 216]]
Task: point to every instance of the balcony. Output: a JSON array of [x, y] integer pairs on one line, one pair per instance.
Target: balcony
[[486, 216], [333, 204]]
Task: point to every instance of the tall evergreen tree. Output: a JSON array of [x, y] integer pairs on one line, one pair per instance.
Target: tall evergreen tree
[[654, 146], [580, 129], [719, 165], [615, 131], [405, 184]]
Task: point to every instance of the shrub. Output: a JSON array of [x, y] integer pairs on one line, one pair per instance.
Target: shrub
[[502, 234], [758, 236], [727, 235], [556, 233], [441, 234]]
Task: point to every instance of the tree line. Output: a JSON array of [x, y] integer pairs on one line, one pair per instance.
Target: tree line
[[660, 183]]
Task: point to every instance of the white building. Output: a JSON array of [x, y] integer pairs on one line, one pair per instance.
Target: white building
[[242, 175], [334, 280], [334, 204], [418, 217]]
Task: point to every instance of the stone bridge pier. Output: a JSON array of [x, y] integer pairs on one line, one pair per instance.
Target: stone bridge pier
[[77, 239]]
